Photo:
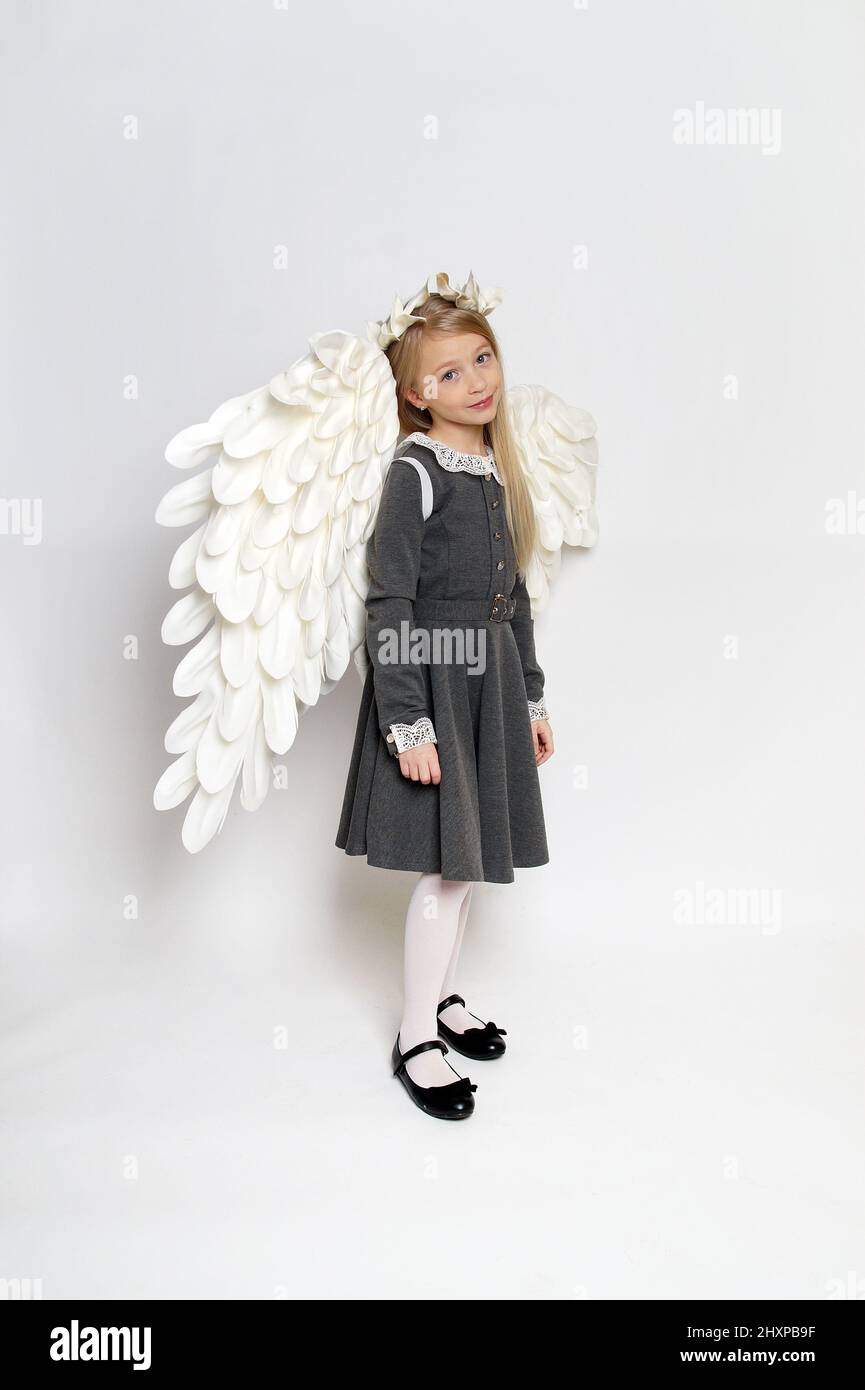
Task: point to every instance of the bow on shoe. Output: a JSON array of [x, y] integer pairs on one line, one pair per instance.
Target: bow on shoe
[[488, 1028], [461, 1087]]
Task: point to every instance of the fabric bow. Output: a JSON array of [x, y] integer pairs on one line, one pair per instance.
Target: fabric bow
[[468, 296], [489, 1028]]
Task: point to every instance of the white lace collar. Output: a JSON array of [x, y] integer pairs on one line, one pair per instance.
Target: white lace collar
[[453, 460]]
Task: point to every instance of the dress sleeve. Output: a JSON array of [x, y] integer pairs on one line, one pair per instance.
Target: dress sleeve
[[393, 560], [524, 631]]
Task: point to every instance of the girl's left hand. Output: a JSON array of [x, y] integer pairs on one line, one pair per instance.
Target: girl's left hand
[[542, 736]]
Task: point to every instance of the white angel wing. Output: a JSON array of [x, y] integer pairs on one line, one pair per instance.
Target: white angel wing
[[559, 453], [277, 567]]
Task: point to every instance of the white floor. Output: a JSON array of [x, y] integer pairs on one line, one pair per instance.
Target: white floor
[[681, 1119]]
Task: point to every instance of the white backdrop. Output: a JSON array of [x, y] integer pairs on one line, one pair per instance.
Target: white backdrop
[[195, 1055]]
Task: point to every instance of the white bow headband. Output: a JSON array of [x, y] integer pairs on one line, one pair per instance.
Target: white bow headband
[[469, 296]]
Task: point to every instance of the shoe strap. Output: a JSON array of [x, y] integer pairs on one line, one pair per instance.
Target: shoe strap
[[458, 999], [420, 1047], [452, 999]]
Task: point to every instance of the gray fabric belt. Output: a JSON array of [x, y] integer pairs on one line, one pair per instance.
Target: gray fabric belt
[[498, 609]]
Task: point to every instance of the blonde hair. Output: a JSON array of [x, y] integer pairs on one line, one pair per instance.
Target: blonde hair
[[442, 316]]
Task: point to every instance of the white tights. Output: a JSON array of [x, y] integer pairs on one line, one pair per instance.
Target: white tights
[[434, 927]]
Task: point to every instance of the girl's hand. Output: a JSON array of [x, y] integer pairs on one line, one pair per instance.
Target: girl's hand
[[542, 736], [421, 763]]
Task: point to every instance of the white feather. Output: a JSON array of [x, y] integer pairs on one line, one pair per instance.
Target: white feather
[[557, 448], [277, 527]]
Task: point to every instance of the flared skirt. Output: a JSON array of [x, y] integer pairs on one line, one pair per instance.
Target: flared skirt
[[485, 817]]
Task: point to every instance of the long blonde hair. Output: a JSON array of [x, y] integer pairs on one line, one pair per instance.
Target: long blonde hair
[[442, 316]]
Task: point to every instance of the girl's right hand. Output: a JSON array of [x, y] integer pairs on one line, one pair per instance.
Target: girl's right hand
[[421, 764]]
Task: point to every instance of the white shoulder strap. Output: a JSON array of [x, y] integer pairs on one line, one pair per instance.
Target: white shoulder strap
[[425, 486]]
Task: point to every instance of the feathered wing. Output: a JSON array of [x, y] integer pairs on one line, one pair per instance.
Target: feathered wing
[[276, 569], [559, 453]]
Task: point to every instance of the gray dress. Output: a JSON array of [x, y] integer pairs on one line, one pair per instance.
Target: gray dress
[[439, 555]]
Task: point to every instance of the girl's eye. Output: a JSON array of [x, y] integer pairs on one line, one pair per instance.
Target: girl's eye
[[450, 373]]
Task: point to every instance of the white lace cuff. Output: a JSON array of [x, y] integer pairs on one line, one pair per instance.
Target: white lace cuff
[[538, 709], [410, 735]]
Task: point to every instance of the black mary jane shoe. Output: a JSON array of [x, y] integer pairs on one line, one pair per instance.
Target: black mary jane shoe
[[452, 1102], [481, 1044]]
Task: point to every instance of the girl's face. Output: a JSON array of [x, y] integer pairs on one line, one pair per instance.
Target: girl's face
[[459, 378]]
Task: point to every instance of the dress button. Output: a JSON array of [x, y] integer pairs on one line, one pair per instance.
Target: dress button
[[498, 535], [495, 502], [500, 565]]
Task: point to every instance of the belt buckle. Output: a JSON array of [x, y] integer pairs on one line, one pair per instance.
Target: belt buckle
[[498, 612]]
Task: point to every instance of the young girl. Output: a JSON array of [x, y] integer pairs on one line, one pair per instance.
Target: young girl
[[443, 778]]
